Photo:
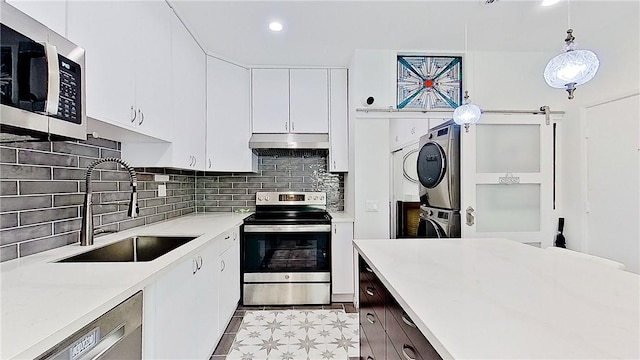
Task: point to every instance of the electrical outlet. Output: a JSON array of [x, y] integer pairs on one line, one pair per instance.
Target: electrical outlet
[[162, 190], [371, 206]]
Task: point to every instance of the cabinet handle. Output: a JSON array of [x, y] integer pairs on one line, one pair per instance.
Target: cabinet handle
[[134, 114], [335, 229], [286, 126], [371, 318], [209, 163], [369, 291], [195, 266], [141, 117], [195, 161], [201, 262], [370, 358], [406, 347], [293, 126], [222, 265], [406, 320], [334, 164]]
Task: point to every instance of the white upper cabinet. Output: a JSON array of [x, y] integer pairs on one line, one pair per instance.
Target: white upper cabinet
[[186, 76], [127, 62], [110, 57], [51, 13], [188, 99], [290, 100], [338, 121], [308, 101], [153, 64], [228, 118], [270, 100]]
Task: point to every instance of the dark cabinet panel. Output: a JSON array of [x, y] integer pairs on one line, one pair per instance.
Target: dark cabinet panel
[[388, 330]]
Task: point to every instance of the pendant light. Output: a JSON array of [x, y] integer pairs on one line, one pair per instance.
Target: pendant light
[[466, 114], [571, 67]]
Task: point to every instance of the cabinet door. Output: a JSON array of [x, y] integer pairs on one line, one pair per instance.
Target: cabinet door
[[174, 313], [188, 98], [51, 13], [270, 100], [228, 117], [229, 267], [342, 272], [110, 56], [338, 121], [205, 307], [153, 64], [308, 101]]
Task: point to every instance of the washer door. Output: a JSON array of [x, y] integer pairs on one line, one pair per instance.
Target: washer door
[[430, 229], [431, 165]]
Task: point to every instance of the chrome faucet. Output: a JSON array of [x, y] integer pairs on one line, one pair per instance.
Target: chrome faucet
[[87, 231]]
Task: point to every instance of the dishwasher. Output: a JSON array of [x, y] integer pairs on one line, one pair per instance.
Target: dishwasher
[[115, 335]]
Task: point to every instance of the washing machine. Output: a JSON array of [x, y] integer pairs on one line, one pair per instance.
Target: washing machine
[[438, 167], [439, 223]]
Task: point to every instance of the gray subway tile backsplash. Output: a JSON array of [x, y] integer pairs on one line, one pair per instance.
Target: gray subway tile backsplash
[[43, 183]]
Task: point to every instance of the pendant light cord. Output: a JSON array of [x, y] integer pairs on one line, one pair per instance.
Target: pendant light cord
[[569, 14]]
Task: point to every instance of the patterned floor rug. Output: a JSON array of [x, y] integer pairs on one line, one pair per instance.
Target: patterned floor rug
[[296, 335]]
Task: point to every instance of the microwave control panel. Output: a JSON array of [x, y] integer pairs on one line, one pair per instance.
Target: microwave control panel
[[69, 107]]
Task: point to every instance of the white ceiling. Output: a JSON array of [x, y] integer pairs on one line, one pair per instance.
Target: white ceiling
[[325, 33]]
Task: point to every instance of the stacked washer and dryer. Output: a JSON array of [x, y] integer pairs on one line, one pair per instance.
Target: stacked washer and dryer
[[438, 168]]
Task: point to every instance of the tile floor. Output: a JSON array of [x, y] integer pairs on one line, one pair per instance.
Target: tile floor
[[291, 333]]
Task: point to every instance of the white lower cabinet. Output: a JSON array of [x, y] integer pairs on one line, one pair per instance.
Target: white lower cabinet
[[188, 308], [229, 277], [342, 268], [185, 317]]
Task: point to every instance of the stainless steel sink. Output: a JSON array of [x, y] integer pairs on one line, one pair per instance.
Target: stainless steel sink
[[133, 249]]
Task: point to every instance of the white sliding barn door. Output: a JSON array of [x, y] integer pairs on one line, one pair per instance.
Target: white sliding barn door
[[507, 178]]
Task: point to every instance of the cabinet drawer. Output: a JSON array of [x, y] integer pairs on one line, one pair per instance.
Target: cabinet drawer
[[365, 270], [401, 343], [394, 313], [392, 354], [365, 349], [227, 239], [372, 327]]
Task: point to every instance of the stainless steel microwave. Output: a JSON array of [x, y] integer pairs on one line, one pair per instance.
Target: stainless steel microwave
[[41, 81]]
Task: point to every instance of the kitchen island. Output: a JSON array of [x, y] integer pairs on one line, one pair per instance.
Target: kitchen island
[[496, 298]]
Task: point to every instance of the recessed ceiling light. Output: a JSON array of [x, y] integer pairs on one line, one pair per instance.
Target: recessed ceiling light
[[275, 26], [549, 2]]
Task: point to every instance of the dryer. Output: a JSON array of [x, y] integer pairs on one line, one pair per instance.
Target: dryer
[[439, 223], [438, 167]]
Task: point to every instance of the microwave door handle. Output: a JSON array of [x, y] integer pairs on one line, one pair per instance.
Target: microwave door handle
[[53, 83]]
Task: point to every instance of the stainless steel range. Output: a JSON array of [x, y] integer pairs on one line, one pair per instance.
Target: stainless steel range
[[286, 250]]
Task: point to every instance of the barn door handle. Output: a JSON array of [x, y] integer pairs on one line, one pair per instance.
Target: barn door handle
[[470, 217]]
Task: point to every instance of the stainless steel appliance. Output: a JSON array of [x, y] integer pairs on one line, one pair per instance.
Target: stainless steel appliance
[[41, 81], [115, 335], [439, 223], [438, 167], [286, 250]]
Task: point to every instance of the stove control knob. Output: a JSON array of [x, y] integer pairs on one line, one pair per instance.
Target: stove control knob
[[321, 197], [260, 198], [266, 198]]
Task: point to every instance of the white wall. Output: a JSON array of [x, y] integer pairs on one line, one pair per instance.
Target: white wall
[[496, 81]]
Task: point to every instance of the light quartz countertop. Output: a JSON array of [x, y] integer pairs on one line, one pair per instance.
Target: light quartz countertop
[[500, 299], [44, 302], [341, 216]]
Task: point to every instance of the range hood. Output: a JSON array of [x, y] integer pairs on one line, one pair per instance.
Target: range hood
[[289, 141]]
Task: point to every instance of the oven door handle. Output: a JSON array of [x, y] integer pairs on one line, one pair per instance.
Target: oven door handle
[[286, 228]]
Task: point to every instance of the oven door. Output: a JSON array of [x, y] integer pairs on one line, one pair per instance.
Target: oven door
[[286, 248], [286, 264]]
